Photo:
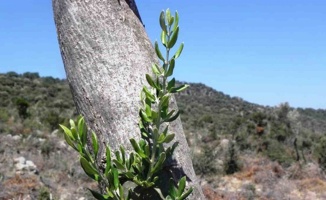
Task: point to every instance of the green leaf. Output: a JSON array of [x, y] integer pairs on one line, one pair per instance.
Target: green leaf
[[129, 195], [121, 192], [117, 156], [110, 193], [165, 67], [174, 117], [123, 152], [163, 38], [171, 20], [165, 130], [176, 21], [161, 139], [116, 181], [137, 148], [172, 190], [168, 15], [142, 144], [155, 134], [156, 69], [171, 84], [72, 123], [69, 141], [131, 160], [80, 149], [169, 114], [162, 21], [119, 165], [171, 68], [169, 138], [98, 195], [67, 131], [147, 150], [154, 115], [181, 185], [164, 101], [148, 94], [148, 111], [159, 164], [108, 160], [144, 116], [173, 38], [170, 150], [169, 198], [179, 89], [74, 133], [158, 52], [158, 85], [150, 81], [89, 169], [129, 175], [82, 130], [95, 143], [178, 52], [186, 194], [159, 192]]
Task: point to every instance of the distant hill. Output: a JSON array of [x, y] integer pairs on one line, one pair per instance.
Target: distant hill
[[227, 135]]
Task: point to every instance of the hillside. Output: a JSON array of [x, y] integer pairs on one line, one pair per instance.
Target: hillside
[[241, 150]]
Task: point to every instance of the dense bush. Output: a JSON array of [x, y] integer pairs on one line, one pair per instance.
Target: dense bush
[[31, 75], [205, 163], [22, 106], [232, 162], [320, 152], [278, 152]]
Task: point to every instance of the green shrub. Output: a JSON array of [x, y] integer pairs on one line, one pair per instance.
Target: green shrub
[[320, 151], [53, 118], [31, 75], [231, 161], [22, 106], [204, 164], [280, 131], [12, 74], [277, 152], [4, 116], [44, 194], [243, 141], [259, 118]]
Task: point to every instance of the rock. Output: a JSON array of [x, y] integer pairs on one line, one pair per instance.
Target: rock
[[55, 132], [16, 137], [224, 144], [41, 140], [62, 145], [22, 165]]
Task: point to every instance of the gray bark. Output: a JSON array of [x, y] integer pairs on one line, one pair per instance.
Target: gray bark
[[106, 54]]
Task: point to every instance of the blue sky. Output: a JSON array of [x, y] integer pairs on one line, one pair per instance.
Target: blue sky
[[265, 52]]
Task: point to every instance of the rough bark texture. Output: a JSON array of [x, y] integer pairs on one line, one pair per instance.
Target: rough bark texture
[[106, 54]]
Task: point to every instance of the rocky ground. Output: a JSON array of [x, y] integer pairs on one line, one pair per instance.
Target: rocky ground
[[42, 166]]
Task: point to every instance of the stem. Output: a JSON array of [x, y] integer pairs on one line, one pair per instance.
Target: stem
[[159, 122]]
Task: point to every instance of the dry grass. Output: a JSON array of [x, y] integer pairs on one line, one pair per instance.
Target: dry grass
[[19, 186], [258, 168], [312, 184]]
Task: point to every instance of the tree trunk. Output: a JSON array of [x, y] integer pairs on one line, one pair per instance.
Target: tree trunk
[[106, 54]]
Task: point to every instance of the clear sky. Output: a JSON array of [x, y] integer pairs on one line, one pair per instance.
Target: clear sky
[[265, 52]]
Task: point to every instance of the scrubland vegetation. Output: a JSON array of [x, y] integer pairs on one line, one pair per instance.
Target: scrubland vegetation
[[240, 150]]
